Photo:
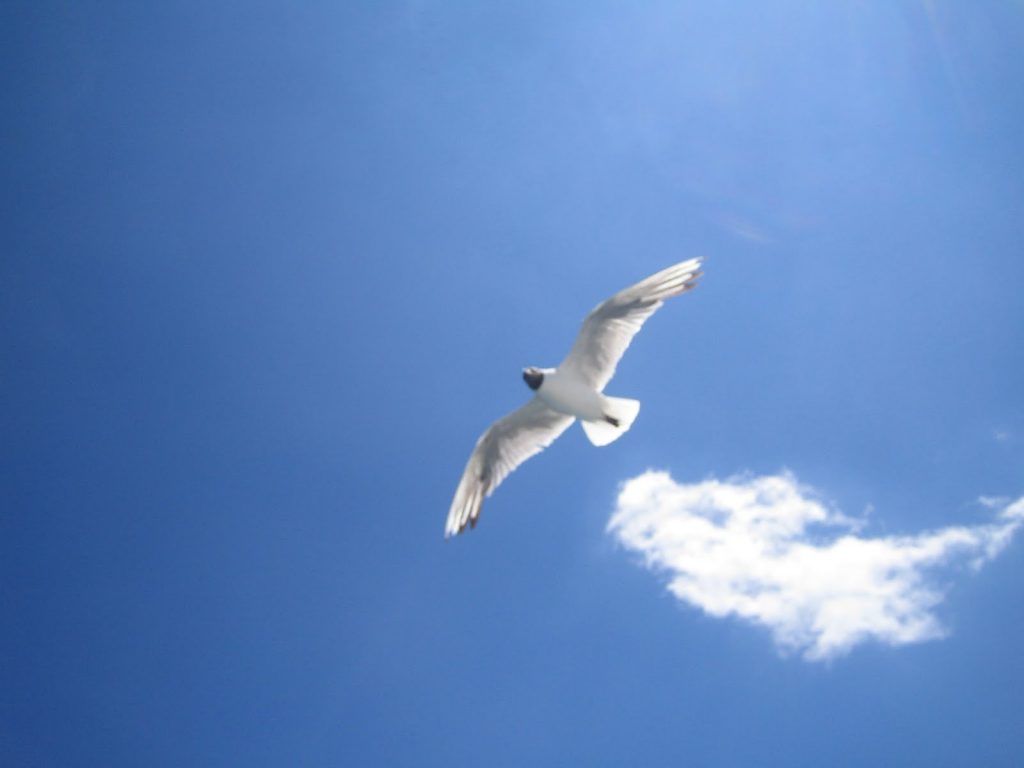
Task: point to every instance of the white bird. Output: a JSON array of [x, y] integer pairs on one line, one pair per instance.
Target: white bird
[[569, 392]]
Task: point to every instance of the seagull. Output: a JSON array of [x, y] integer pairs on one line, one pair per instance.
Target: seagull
[[571, 391]]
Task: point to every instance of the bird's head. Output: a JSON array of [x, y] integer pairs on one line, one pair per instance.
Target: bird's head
[[533, 377]]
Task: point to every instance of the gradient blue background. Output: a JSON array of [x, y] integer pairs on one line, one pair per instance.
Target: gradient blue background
[[268, 269]]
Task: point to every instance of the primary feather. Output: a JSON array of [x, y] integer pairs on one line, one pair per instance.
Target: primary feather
[[508, 443], [612, 324]]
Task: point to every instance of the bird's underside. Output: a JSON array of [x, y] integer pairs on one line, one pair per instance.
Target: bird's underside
[[571, 391]]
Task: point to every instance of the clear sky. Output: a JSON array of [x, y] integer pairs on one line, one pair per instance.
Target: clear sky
[[267, 270]]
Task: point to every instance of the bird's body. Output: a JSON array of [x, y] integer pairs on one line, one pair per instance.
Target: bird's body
[[573, 390], [569, 394]]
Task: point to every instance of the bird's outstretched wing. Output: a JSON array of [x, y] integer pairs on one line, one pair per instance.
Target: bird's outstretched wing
[[504, 446], [611, 325]]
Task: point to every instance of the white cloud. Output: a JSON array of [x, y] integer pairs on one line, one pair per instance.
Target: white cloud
[[1002, 435], [742, 228], [770, 551]]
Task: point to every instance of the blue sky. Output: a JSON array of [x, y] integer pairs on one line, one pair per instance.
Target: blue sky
[[267, 273]]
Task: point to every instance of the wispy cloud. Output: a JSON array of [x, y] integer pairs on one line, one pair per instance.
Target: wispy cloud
[[771, 551], [742, 228]]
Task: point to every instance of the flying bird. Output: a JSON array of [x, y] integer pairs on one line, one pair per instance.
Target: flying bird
[[571, 391]]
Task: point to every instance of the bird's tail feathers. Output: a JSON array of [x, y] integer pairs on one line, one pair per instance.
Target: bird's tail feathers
[[619, 413]]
